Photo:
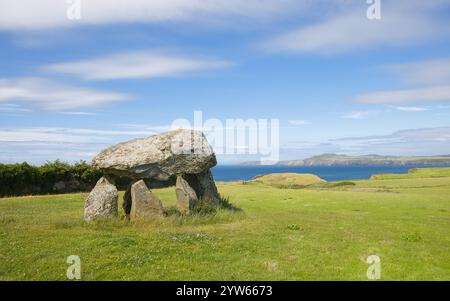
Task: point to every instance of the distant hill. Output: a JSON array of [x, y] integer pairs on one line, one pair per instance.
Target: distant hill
[[346, 160]]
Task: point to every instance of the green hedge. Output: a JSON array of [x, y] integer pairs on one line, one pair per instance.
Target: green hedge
[[52, 177]]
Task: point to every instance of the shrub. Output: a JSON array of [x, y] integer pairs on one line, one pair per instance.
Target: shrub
[[293, 227], [225, 203], [342, 183], [290, 186], [333, 185], [204, 207], [172, 211], [25, 179], [412, 237]]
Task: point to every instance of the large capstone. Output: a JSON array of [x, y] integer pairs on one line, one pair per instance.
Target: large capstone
[[158, 157], [102, 202], [145, 205]]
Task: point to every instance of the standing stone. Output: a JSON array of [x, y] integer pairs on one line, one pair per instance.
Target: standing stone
[[145, 205], [208, 189], [204, 186], [126, 205], [102, 202], [186, 195]]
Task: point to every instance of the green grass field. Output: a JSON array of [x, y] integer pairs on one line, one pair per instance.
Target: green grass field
[[324, 232]]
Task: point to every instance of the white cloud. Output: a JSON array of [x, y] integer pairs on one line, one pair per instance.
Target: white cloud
[[298, 122], [136, 65], [13, 108], [67, 135], [432, 94], [411, 109], [79, 113], [410, 142], [50, 95], [425, 72], [32, 14], [147, 127], [402, 23], [38, 144], [417, 135], [358, 115], [39, 152], [425, 75]]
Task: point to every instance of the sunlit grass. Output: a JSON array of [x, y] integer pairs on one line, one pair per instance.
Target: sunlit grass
[[281, 234]]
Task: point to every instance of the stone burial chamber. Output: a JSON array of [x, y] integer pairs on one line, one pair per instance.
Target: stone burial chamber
[[183, 157]]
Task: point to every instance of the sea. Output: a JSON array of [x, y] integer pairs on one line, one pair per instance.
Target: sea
[[230, 173]]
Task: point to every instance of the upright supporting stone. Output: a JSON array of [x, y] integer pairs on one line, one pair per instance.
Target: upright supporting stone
[[204, 186], [126, 205], [102, 202], [208, 189], [145, 205], [186, 195]]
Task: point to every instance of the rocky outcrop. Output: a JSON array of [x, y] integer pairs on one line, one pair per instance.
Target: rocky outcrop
[[145, 205], [186, 196], [102, 202], [158, 157]]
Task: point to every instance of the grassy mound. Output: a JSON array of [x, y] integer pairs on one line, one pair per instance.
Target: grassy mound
[[288, 180], [416, 173]]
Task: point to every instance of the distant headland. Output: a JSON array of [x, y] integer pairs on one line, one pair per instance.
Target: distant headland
[[347, 160]]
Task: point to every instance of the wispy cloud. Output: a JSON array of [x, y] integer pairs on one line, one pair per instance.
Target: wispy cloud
[[358, 115], [38, 144], [429, 72], [61, 134], [421, 95], [38, 152], [410, 142], [402, 23], [411, 109], [31, 14], [405, 137], [79, 113], [298, 122], [13, 108], [431, 77], [147, 127], [51, 95], [143, 64]]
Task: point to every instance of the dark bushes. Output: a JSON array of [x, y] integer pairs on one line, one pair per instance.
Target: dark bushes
[[52, 177]]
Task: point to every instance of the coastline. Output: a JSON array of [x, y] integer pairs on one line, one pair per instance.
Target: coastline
[[231, 173]]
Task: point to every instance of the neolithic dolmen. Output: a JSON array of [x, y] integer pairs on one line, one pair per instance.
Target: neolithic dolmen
[[184, 155]]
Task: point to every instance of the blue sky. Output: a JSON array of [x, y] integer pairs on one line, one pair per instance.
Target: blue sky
[[337, 81]]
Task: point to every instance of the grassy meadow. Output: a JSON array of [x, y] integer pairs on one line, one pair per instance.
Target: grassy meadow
[[324, 231]]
